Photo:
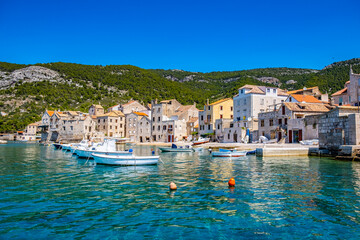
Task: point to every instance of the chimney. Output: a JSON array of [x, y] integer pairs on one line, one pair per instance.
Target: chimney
[[207, 102], [194, 104], [155, 100]]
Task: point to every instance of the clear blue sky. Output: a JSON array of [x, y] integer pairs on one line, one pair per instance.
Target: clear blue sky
[[190, 35]]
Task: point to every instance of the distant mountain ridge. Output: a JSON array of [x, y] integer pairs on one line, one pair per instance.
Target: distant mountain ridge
[[26, 90]]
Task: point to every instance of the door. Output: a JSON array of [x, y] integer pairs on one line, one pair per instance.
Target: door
[[290, 136], [235, 137], [279, 136], [300, 135]]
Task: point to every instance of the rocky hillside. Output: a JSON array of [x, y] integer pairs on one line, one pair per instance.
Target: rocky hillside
[[27, 90]]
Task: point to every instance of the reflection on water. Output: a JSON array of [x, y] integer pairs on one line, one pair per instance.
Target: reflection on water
[[50, 193]]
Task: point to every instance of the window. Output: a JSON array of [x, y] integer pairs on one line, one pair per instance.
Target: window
[[110, 120], [231, 108], [209, 107], [64, 128], [164, 127], [262, 101], [268, 90], [283, 110], [158, 119], [153, 128], [115, 127], [285, 121], [221, 116], [340, 101], [218, 126], [115, 120], [208, 127], [158, 128], [349, 99], [104, 127], [110, 127], [280, 121], [231, 116], [121, 125], [104, 120], [153, 119], [202, 118], [242, 91], [262, 123], [274, 90], [221, 108], [245, 101], [98, 120], [271, 122]]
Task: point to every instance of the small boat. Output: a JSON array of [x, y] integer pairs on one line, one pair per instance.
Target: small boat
[[175, 148], [198, 149], [228, 153], [201, 141], [3, 142], [66, 147], [251, 152], [108, 147], [125, 160]]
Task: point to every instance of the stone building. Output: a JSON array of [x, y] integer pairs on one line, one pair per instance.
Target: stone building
[[289, 121], [220, 126], [350, 94], [340, 126], [112, 124], [132, 126], [144, 129], [191, 126], [169, 120], [131, 106], [217, 110], [75, 127], [96, 110]]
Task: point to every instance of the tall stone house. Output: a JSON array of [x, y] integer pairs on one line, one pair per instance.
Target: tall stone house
[[133, 126], [112, 124], [350, 94], [252, 100], [169, 120], [131, 106], [222, 109]]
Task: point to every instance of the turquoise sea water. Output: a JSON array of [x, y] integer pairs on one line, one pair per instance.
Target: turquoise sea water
[[50, 194]]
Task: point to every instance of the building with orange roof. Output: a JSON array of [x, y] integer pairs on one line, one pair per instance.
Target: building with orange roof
[[221, 109], [350, 94], [312, 91], [292, 122], [138, 127]]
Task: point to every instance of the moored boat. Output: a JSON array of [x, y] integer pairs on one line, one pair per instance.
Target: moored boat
[[3, 142], [201, 141], [228, 153], [57, 145], [108, 147], [175, 148], [131, 160]]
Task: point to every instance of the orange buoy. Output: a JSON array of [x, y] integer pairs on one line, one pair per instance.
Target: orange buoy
[[231, 182], [172, 186]]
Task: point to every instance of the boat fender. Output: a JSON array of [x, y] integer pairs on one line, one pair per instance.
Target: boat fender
[[172, 186], [130, 150]]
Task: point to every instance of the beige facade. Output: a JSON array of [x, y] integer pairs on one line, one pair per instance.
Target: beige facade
[[217, 110], [112, 124], [75, 128], [191, 126]]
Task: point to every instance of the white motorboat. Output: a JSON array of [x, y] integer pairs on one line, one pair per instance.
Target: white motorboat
[[175, 148], [123, 160], [228, 153], [65, 147], [201, 141], [3, 142], [108, 147]]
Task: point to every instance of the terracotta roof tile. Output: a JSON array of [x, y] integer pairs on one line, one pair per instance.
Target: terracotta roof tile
[[141, 114], [340, 92], [305, 98], [306, 107], [50, 113]]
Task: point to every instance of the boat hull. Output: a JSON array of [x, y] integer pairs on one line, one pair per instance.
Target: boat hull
[[88, 154], [125, 160], [57, 146], [165, 149], [228, 154]]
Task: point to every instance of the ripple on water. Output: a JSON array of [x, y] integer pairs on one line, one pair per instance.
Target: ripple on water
[[52, 194]]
